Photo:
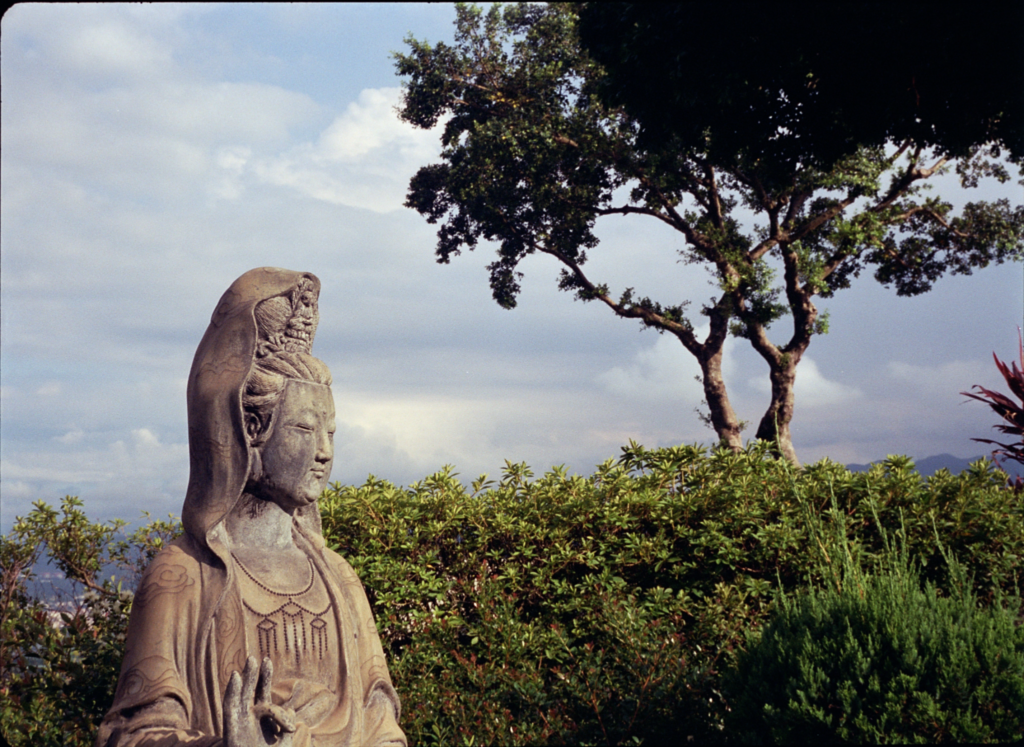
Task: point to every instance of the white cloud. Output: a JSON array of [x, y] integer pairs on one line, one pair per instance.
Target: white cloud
[[361, 450], [41, 467], [664, 371], [90, 42], [74, 436], [367, 125], [429, 430], [210, 112], [364, 159], [16, 489], [811, 389], [49, 389], [97, 96], [946, 379], [166, 137], [226, 183], [111, 48], [145, 440], [141, 472]]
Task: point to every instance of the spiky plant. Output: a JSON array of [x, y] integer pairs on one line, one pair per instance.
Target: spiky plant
[[1011, 412]]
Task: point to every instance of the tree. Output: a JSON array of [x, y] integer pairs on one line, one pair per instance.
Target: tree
[[811, 88], [536, 147]]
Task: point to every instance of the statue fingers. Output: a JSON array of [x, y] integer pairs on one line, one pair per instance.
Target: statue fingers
[[233, 708], [276, 722], [265, 682], [249, 677]]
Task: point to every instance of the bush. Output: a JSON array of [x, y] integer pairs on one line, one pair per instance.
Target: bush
[[59, 663], [604, 609], [515, 614], [876, 658], [556, 610]]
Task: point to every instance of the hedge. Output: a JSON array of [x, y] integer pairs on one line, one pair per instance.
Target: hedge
[[606, 609]]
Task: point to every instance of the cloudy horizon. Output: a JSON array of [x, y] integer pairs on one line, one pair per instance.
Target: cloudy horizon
[[151, 154]]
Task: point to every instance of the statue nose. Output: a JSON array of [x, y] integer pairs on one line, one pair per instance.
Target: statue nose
[[325, 449]]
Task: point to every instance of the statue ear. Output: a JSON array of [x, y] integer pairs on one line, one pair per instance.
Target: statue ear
[[253, 431], [253, 428]]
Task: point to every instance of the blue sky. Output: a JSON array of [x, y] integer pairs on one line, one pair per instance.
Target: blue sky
[[153, 153]]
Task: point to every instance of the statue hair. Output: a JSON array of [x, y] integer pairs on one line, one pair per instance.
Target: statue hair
[[267, 382]]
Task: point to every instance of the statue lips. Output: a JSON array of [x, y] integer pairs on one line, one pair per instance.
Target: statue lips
[[320, 474]]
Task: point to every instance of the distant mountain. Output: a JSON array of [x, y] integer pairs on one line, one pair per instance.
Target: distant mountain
[[930, 465]]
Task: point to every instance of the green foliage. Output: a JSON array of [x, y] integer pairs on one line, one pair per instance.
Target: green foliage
[[524, 144], [786, 86], [552, 610], [603, 609], [60, 657], [876, 658]]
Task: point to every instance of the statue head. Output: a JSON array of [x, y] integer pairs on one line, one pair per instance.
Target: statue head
[[261, 414], [289, 423]]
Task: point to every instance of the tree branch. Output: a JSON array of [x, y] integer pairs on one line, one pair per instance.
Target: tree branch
[[763, 248], [897, 190], [899, 152], [649, 317], [930, 213], [714, 206], [629, 209], [911, 175], [796, 203], [812, 224], [758, 336]]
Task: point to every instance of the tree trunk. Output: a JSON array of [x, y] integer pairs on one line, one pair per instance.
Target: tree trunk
[[723, 417], [782, 362], [774, 426]]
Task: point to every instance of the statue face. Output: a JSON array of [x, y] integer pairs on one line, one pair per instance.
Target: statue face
[[297, 457]]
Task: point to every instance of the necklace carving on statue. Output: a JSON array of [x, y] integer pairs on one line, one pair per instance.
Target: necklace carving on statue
[[289, 628]]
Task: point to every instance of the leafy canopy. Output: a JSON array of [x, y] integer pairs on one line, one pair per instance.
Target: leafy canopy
[[799, 87], [532, 157]]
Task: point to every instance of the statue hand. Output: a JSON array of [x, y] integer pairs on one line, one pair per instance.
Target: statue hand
[[250, 719]]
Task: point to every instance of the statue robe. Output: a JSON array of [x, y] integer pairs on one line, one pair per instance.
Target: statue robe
[[187, 635]]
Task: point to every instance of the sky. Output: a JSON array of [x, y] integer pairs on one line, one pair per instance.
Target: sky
[[153, 153]]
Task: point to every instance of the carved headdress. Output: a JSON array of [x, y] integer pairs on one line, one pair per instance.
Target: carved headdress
[[265, 312]]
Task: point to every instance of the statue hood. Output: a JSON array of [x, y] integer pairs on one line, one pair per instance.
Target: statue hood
[[219, 457]]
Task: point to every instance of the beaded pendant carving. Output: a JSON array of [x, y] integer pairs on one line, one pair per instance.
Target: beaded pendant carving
[[292, 627]]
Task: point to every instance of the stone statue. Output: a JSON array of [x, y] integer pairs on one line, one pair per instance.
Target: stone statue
[[247, 630]]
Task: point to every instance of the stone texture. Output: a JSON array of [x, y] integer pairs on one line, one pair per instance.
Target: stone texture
[[247, 630]]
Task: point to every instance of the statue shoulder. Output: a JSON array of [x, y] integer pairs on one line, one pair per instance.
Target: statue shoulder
[[174, 571], [339, 565], [346, 577]]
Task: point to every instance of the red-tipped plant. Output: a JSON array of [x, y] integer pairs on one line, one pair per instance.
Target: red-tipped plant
[[1007, 409]]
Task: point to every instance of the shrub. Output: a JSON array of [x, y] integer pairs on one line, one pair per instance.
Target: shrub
[[517, 614], [556, 610], [876, 658], [604, 609], [59, 664]]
